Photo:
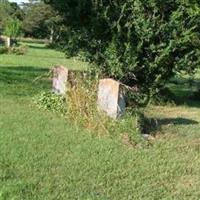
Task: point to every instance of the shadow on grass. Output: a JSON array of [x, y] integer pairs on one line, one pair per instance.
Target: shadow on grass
[[179, 121], [32, 46], [152, 126], [23, 81], [20, 74], [176, 121], [49, 57]]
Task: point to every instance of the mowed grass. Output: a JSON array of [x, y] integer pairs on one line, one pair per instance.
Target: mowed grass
[[40, 57], [45, 157]]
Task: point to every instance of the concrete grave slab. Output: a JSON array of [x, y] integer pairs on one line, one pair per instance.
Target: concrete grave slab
[[60, 77], [111, 98]]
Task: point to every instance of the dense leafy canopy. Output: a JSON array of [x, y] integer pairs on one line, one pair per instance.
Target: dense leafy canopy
[[140, 42], [12, 28], [41, 20], [9, 10]]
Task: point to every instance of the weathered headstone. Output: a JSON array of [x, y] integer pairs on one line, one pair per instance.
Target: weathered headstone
[[60, 77], [111, 98]]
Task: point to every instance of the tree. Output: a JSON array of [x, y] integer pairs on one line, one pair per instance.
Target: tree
[[142, 43], [41, 20], [5, 11], [9, 10], [16, 11], [12, 29]]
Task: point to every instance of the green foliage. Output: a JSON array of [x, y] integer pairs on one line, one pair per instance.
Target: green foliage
[[163, 97], [18, 50], [4, 13], [80, 108], [3, 50], [12, 27], [41, 21], [9, 10], [141, 43], [195, 96], [50, 101]]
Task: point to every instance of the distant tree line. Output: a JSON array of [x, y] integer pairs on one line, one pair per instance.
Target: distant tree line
[[34, 19], [41, 21]]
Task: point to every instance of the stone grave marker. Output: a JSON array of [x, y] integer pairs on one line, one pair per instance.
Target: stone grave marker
[[111, 98], [60, 77]]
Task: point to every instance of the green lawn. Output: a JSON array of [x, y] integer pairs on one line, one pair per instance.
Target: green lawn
[[40, 57], [44, 157]]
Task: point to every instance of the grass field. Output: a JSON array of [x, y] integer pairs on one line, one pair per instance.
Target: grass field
[[44, 157], [38, 56]]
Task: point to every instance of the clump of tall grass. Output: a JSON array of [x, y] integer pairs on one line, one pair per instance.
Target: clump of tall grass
[[79, 106], [82, 109]]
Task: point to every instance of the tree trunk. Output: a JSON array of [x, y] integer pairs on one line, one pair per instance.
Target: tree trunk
[[51, 35], [8, 42]]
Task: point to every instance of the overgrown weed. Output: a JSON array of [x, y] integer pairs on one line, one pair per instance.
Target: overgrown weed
[[79, 106], [51, 101]]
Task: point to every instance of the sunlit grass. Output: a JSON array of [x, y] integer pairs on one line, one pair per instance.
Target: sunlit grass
[[40, 56], [45, 157]]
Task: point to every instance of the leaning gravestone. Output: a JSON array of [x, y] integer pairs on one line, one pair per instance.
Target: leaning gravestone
[[111, 98], [60, 77]]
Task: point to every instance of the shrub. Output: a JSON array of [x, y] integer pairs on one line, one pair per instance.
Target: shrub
[[3, 50], [163, 97], [80, 108], [195, 96], [50, 101], [139, 42], [17, 50], [21, 50]]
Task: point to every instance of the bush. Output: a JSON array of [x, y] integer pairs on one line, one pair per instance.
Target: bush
[[80, 108], [3, 50], [139, 42], [21, 50], [50, 101], [195, 96], [163, 97]]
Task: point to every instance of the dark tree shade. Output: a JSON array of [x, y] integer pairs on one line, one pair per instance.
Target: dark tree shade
[[140, 42]]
